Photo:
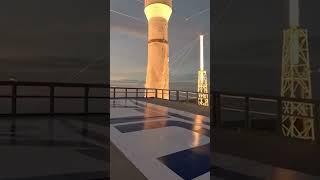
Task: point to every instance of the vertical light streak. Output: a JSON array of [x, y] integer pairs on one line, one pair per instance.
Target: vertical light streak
[[201, 52]]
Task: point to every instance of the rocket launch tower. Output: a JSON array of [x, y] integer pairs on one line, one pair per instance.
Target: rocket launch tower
[[297, 119], [203, 97], [158, 13]]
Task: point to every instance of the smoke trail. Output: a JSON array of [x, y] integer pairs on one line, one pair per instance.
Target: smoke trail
[[126, 15], [196, 14]]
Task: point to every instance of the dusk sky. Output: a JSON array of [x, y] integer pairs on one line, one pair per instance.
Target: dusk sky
[[50, 40], [128, 39], [247, 46]]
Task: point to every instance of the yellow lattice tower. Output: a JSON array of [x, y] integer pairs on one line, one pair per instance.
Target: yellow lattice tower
[[297, 118], [203, 97]]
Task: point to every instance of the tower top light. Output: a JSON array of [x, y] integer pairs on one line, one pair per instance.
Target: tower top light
[[158, 8]]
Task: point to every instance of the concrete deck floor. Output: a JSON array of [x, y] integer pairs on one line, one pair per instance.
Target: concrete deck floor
[[145, 144], [162, 143], [31, 155], [248, 155]]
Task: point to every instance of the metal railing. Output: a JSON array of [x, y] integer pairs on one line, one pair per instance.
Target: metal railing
[[110, 93], [254, 114], [51, 96], [165, 94], [247, 111], [259, 112]]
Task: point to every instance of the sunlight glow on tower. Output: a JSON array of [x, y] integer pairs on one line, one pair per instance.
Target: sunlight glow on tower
[[158, 13], [203, 99]]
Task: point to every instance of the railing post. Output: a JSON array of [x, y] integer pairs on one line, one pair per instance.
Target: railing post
[[197, 99], [187, 96], [279, 118], [247, 111], [146, 93], [51, 120], [316, 123], [217, 110], [177, 94], [162, 94], [86, 100], [137, 94], [86, 111], [114, 93], [13, 108], [126, 93], [51, 99], [169, 98], [14, 99], [156, 93]]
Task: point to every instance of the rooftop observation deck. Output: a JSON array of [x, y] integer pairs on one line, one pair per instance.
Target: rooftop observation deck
[[248, 143], [53, 131], [151, 138]]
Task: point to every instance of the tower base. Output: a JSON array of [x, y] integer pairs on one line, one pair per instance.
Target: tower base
[[203, 96]]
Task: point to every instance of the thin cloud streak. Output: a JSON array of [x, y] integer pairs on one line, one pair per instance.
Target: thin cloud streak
[[196, 14], [130, 31], [126, 15]]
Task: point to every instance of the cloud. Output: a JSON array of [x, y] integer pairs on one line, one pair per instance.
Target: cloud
[[129, 30]]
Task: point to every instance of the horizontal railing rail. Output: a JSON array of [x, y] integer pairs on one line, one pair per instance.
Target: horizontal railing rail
[[52, 96], [12, 94], [165, 94], [222, 93], [258, 111], [252, 106]]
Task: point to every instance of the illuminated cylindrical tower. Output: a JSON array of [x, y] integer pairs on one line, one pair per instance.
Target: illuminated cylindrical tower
[[158, 13]]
